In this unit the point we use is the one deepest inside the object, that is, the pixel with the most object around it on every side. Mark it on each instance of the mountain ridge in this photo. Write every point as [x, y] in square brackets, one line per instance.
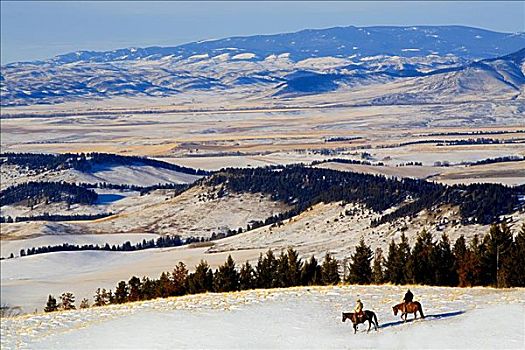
[270, 65]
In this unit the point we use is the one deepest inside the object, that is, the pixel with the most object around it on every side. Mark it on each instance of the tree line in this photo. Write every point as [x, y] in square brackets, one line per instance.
[141, 189]
[271, 271]
[160, 242]
[497, 160]
[87, 161]
[301, 187]
[36, 192]
[54, 217]
[498, 259]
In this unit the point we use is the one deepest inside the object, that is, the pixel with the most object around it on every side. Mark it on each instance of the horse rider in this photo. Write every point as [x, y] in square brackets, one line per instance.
[408, 297]
[358, 309]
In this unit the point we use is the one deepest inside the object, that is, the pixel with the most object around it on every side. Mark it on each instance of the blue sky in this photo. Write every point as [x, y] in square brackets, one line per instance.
[37, 30]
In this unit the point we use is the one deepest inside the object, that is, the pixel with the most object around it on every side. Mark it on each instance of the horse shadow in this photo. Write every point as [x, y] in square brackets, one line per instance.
[427, 317]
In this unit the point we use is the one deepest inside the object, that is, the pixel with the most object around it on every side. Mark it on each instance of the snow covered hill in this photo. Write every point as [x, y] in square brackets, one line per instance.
[309, 61]
[294, 318]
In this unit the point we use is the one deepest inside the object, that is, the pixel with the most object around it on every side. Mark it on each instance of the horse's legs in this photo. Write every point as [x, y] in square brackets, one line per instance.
[369, 326]
[355, 328]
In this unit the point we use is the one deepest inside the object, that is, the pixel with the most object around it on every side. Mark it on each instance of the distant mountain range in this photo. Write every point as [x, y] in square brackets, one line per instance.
[433, 62]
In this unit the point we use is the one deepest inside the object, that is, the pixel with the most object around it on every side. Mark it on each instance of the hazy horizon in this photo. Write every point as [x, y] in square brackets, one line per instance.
[64, 27]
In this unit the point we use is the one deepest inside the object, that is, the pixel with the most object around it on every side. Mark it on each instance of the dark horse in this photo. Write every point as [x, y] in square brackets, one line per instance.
[368, 315]
[408, 308]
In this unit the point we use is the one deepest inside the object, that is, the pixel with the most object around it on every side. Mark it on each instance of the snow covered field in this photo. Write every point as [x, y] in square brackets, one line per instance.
[294, 318]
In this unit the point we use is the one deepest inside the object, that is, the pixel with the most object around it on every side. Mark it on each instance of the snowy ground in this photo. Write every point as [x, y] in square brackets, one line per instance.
[295, 318]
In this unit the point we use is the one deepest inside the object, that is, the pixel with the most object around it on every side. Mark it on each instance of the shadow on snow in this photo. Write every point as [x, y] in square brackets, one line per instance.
[427, 317]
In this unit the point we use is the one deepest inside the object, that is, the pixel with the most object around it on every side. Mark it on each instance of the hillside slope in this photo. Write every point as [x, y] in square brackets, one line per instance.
[306, 318]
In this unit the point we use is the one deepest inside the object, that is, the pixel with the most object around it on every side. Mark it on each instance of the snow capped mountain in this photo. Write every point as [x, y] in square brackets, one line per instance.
[305, 62]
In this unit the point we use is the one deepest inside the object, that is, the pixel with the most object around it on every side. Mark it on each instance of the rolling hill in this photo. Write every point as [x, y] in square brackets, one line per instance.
[282, 65]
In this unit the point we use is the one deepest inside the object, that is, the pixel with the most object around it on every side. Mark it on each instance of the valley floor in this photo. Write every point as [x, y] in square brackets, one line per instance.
[294, 318]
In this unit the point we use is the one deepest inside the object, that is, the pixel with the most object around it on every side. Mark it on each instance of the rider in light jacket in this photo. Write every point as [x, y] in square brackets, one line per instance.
[358, 309]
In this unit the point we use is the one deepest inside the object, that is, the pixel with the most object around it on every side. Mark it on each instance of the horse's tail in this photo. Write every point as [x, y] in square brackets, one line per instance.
[420, 309]
[375, 320]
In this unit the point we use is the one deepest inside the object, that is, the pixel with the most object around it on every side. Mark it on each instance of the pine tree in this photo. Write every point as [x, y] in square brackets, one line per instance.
[377, 267]
[148, 289]
[84, 304]
[462, 256]
[164, 286]
[281, 273]
[226, 278]
[330, 270]
[423, 259]
[101, 297]
[247, 279]
[517, 259]
[391, 265]
[51, 304]
[201, 280]
[495, 263]
[180, 279]
[444, 263]
[134, 287]
[121, 293]
[405, 260]
[266, 271]
[294, 268]
[398, 265]
[476, 251]
[311, 273]
[360, 269]
[67, 301]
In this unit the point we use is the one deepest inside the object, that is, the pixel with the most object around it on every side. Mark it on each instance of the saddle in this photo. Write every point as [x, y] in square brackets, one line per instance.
[360, 318]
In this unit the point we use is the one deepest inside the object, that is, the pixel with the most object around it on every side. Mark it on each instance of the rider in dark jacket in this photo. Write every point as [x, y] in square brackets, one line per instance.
[408, 297]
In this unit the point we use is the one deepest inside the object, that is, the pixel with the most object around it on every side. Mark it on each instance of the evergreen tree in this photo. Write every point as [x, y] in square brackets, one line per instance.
[377, 267]
[405, 260]
[67, 301]
[444, 263]
[226, 278]
[294, 267]
[101, 297]
[397, 265]
[247, 277]
[84, 304]
[266, 270]
[311, 273]
[360, 269]
[463, 256]
[517, 259]
[281, 273]
[330, 270]
[391, 268]
[478, 249]
[134, 287]
[164, 286]
[121, 293]
[495, 262]
[51, 304]
[148, 289]
[180, 279]
[201, 280]
[423, 259]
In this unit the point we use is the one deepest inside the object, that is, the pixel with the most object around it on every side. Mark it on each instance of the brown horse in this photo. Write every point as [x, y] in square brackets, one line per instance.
[368, 315]
[408, 308]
